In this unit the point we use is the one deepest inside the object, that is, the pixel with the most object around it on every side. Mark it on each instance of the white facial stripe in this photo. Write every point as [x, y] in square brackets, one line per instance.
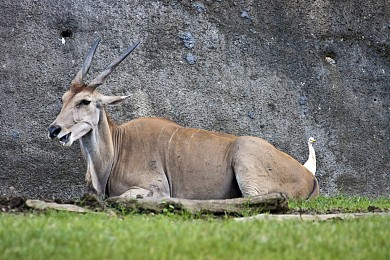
[80, 129]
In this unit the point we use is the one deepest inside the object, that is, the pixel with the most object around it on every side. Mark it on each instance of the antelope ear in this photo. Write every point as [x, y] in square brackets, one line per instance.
[112, 100]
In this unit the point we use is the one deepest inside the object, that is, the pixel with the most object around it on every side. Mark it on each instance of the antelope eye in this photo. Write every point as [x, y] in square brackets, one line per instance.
[85, 102]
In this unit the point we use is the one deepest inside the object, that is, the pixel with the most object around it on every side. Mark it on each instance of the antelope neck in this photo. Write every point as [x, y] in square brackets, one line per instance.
[98, 150]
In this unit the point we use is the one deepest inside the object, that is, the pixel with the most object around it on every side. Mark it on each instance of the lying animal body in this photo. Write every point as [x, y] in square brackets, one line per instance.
[155, 157]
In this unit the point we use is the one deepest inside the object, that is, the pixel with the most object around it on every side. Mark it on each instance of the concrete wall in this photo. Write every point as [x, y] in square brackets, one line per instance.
[279, 70]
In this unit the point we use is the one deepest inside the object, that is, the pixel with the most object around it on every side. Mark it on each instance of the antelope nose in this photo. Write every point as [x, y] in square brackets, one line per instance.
[54, 130]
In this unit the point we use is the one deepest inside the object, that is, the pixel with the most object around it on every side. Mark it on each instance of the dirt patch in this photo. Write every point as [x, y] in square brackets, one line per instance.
[13, 204]
[16, 204]
[91, 202]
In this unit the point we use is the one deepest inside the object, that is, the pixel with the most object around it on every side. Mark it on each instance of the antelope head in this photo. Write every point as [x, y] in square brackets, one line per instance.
[81, 104]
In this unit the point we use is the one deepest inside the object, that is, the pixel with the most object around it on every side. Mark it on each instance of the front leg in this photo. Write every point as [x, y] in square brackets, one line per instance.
[140, 193]
[92, 192]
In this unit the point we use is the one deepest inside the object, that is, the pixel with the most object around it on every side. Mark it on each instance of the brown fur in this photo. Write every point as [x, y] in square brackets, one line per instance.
[158, 155]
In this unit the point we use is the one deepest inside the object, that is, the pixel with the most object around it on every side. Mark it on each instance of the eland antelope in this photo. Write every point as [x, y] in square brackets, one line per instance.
[155, 157]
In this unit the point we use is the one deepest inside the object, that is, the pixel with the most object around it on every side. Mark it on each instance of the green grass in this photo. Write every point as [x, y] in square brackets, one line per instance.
[341, 204]
[63, 235]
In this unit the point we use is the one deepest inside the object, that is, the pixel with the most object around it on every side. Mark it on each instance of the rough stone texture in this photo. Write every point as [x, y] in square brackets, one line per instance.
[280, 70]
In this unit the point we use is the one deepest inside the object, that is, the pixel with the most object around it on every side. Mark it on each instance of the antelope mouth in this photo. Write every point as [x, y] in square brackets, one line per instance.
[64, 140]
